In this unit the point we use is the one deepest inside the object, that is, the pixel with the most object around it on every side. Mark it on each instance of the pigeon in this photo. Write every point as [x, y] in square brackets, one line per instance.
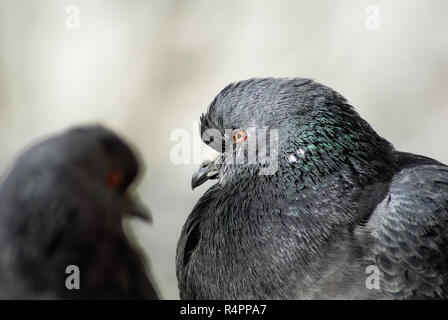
[342, 214]
[62, 206]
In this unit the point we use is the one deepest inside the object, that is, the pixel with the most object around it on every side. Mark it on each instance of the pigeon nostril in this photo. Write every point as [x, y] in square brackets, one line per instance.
[205, 163]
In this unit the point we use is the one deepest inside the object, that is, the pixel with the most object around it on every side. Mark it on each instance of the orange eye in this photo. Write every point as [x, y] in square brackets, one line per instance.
[115, 179]
[239, 136]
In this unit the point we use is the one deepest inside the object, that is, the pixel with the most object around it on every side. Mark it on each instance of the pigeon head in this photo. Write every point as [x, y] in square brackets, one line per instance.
[62, 203]
[277, 124]
[90, 167]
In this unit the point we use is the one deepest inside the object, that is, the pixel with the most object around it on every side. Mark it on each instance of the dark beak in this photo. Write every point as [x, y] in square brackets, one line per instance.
[207, 171]
[135, 208]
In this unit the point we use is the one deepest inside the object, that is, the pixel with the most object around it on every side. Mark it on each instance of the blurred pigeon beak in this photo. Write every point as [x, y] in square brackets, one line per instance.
[135, 208]
[207, 171]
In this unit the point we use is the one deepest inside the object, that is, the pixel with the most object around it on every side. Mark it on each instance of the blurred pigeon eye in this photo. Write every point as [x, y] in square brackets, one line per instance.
[239, 136]
[115, 179]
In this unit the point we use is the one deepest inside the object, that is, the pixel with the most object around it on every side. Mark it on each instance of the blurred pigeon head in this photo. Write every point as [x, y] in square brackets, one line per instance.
[93, 160]
[63, 203]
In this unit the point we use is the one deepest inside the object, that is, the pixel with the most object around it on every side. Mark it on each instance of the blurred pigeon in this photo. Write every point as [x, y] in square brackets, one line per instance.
[343, 216]
[61, 207]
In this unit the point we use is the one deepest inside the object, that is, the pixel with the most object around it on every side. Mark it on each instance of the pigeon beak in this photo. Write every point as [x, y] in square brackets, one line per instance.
[206, 171]
[135, 208]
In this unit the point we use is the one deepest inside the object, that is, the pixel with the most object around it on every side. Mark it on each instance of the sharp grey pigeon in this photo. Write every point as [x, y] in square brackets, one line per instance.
[343, 215]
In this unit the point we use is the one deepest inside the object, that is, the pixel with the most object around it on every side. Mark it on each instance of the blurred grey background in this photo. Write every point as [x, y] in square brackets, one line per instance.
[146, 68]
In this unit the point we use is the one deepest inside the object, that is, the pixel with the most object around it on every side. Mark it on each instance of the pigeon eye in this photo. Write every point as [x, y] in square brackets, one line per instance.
[239, 136]
[115, 179]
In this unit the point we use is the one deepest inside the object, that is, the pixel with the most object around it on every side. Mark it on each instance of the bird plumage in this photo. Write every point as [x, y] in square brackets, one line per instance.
[312, 228]
[56, 210]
